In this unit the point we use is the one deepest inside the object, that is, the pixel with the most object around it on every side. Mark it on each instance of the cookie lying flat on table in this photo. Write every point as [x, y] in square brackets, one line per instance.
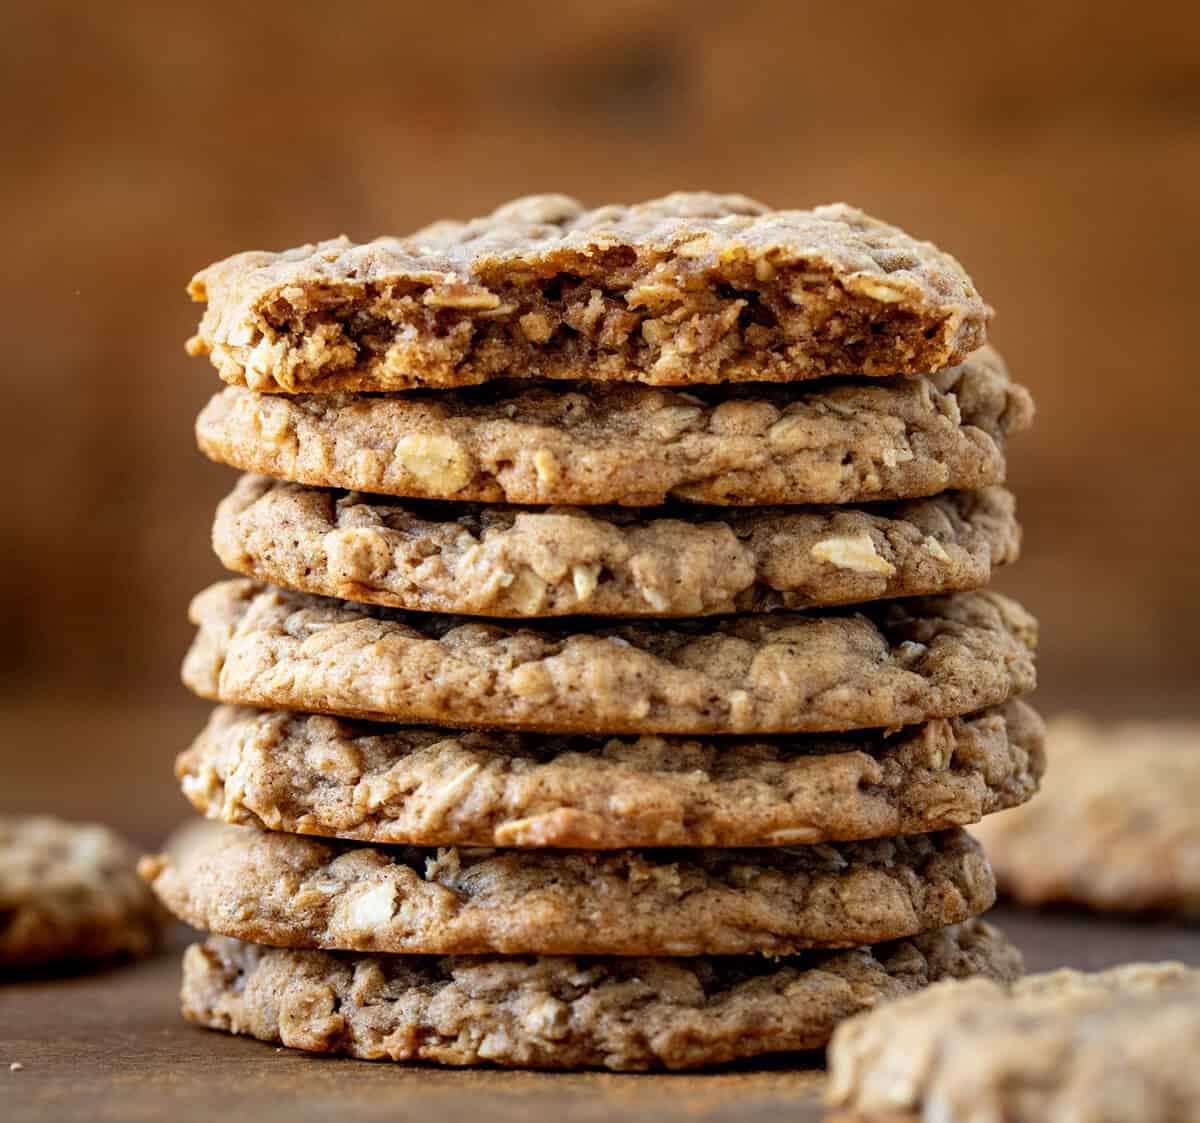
[832, 442]
[617, 1013]
[690, 288]
[290, 891]
[427, 787]
[888, 665]
[1065, 1046]
[69, 893]
[1117, 827]
[685, 561]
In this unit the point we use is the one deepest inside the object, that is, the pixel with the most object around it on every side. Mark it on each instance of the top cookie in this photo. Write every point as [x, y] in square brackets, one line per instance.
[687, 289]
[1116, 828]
[1063, 1046]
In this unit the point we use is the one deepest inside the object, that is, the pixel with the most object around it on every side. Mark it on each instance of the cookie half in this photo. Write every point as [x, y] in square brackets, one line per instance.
[690, 288]
[314, 775]
[289, 891]
[686, 561]
[557, 1013]
[1116, 828]
[1118, 1045]
[69, 893]
[892, 664]
[839, 442]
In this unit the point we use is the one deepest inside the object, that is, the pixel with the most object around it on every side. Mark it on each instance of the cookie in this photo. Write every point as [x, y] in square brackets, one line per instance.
[690, 288]
[887, 665]
[289, 891]
[840, 442]
[558, 1013]
[68, 893]
[686, 561]
[1116, 827]
[406, 785]
[1119, 1045]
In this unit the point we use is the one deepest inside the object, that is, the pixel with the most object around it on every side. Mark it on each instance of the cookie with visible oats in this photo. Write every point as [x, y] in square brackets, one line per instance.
[69, 894]
[402, 784]
[1117, 1045]
[886, 665]
[690, 288]
[685, 561]
[290, 891]
[1117, 826]
[587, 444]
[624, 1014]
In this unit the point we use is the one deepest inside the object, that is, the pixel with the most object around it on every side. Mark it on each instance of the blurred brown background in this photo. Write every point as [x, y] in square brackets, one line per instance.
[1055, 148]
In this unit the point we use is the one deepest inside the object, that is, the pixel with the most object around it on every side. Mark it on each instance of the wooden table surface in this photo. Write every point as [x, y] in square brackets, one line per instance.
[112, 1046]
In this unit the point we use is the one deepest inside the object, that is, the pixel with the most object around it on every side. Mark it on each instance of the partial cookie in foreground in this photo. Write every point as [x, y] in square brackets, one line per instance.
[69, 893]
[314, 775]
[683, 561]
[1118, 1045]
[690, 288]
[290, 891]
[1117, 825]
[616, 1013]
[887, 665]
[831, 442]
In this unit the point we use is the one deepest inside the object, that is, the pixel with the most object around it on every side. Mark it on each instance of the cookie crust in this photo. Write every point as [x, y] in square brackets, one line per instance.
[1065, 1045]
[69, 893]
[1116, 828]
[889, 665]
[830, 442]
[313, 775]
[289, 891]
[533, 1012]
[683, 561]
[690, 288]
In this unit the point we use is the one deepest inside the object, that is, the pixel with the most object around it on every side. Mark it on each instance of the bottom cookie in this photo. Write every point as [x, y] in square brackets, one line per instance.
[561, 1012]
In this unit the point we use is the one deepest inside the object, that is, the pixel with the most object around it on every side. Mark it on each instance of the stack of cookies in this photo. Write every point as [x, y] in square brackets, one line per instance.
[570, 711]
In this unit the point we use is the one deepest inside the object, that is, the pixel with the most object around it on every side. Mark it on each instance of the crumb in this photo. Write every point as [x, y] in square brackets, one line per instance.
[16, 1066]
